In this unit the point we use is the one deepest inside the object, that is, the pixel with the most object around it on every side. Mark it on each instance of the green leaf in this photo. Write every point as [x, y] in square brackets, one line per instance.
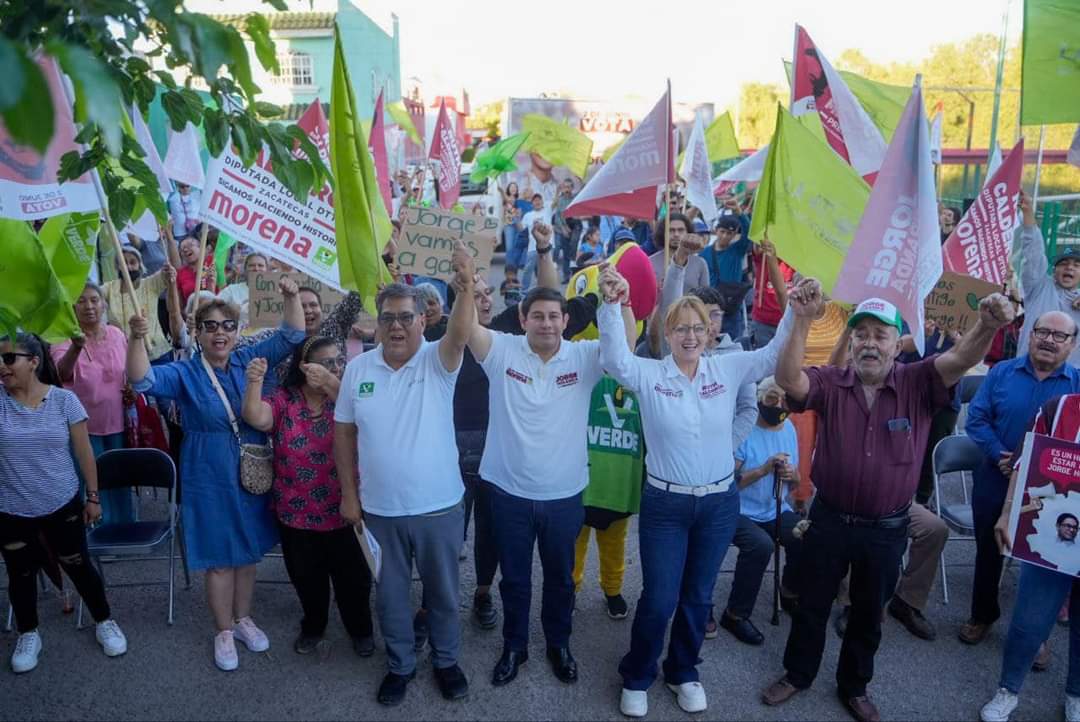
[279, 5]
[240, 67]
[14, 85]
[30, 119]
[97, 95]
[258, 29]
[174, 106]
[216, 130]
[210, 43]
[267, 110]
[243, 142]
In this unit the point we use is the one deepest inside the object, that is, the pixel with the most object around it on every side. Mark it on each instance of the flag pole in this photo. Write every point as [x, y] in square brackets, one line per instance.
[667, 182]
[667, 225]
[1038, 168]
[199, 269]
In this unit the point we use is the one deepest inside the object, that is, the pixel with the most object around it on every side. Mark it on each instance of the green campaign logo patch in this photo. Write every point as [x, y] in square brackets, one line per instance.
[325, 257]
[366, 390]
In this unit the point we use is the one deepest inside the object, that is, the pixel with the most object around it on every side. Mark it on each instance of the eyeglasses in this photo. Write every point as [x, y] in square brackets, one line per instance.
[716, 315]
[405, 319]
[1044, 333]
[696, 330]
[333, 363]
[9, 357]
[1074, 527]
[228, 326]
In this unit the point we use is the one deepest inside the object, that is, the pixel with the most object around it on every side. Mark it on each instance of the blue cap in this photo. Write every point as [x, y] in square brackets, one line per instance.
[1066, 253]
[700, 226]
[624, 234]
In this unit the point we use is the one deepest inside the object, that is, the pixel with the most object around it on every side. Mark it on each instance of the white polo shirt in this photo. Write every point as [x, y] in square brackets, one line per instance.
[539, 413]
[405, 432]
[687, 424]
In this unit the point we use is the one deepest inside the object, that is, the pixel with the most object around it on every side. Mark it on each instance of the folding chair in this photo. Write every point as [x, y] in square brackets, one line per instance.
[123, 469]
[969, 385]
[956, 453]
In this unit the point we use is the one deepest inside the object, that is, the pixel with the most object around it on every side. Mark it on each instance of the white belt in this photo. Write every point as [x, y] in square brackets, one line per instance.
[715, 487]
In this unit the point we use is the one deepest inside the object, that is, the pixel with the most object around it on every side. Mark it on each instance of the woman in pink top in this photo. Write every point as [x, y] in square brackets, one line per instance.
[319, 546]
[92, 365]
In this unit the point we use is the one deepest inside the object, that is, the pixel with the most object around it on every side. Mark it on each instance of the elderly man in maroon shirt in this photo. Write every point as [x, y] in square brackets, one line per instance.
[875, 420]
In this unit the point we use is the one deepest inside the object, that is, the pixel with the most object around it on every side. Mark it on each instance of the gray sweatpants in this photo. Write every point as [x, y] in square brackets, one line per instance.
[433, 541]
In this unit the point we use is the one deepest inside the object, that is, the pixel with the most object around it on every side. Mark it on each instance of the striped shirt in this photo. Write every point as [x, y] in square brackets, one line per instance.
[37, 469]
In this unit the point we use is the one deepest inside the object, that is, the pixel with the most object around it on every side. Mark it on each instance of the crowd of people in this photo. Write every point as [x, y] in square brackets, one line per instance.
[742, 408]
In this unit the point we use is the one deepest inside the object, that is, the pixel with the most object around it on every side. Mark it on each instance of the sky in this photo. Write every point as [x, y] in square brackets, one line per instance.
[606, 50]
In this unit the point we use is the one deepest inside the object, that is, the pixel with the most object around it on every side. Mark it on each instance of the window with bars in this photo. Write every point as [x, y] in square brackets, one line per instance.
[296, 71]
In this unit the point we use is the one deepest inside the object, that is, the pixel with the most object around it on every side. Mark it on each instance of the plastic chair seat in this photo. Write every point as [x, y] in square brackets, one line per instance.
[959, 517]
[133, 538]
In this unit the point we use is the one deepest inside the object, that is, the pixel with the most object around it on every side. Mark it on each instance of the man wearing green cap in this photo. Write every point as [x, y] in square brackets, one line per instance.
[874, 424]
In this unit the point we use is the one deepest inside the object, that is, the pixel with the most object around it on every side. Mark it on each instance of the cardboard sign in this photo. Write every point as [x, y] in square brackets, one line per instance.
[1045, 511]
[427, 241]
[266, 307]
[954, 303]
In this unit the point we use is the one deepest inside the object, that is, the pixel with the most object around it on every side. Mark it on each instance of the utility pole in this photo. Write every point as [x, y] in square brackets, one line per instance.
[999, 81]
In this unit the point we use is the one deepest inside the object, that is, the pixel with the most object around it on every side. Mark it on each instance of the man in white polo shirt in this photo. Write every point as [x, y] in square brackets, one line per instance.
[537, 461]
[395, 413]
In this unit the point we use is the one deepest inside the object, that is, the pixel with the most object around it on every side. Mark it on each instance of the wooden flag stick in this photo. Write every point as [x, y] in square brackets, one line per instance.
[667, 225]
[199, 269]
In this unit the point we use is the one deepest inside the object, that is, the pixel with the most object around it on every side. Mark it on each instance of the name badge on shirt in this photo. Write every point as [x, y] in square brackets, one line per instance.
[366, 390]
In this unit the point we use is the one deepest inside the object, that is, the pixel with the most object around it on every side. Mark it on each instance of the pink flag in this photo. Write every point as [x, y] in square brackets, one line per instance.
[28, 185]
[377, 143]
[848, 128]
[626, 184]
[445, 149]
[896, 252]
[314, 123]
[980, 244]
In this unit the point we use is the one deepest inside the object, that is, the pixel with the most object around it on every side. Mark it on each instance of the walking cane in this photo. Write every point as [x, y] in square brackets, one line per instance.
[777, 493]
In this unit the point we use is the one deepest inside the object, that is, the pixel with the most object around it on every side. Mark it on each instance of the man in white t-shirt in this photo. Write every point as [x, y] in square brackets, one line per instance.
[395, 414]
[536, 460]
[539, 215]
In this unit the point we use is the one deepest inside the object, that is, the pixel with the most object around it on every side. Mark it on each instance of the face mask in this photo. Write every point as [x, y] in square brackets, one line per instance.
[772, 415]
[134, 275]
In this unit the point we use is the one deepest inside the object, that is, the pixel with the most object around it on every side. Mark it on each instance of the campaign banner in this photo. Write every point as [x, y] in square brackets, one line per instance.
[427, 241]
[28, 186]
[1045, 512]
[446, 149]
[953, 304]
[979, 245]
[250, 205]
[266, 307]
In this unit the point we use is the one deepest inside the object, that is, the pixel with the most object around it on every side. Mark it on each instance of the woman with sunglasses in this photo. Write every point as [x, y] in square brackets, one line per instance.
[226, 529]
[318, 544]
[42, 438]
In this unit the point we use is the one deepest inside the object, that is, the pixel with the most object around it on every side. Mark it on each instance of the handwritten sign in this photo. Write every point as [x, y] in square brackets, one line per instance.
[265, 305]
[954, 303]
[427, 241]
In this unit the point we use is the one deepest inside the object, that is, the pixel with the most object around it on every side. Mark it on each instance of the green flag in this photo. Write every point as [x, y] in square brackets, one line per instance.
[883, 102]
[498, 159]
[224, 245]
[70, 243]
[720, 141]
[31, 295]
[1050, 79]
[401, 117]
[360, 218]
[557, 143]
[809, 202]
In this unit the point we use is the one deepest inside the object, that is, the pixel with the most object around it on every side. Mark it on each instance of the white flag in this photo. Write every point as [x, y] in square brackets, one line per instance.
[182, 160]
[695, 171]
[747, 170]
[153, 158]
[935, 137]
[993, 162]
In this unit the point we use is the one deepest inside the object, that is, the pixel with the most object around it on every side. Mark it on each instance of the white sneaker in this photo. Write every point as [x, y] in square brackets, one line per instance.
[634, 702]
[111, 639]
[690, 695]
[1000, 707]
[1072, 708]
[225, 652]
[26, 652]
[251, 636]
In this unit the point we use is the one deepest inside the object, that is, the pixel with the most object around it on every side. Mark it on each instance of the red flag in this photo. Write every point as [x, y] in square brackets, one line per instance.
[377, 144]
[979, 245]
[626, 184]
[445, 149]
[314, 123]
[848, 128]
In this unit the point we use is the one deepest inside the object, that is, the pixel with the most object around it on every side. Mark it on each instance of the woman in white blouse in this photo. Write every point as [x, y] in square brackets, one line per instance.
[690, 505]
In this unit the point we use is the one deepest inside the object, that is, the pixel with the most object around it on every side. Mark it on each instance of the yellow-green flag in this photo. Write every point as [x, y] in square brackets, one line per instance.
[558, 144]
[32, 297]
[883, 102]
[720, 141]
[1050, 80]
[360, 218]
[809, 202]
[401, 117]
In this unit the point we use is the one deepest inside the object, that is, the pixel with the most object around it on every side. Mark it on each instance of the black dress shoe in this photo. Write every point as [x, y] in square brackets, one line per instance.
[392, 689]
[743, 630]
[562, 664]
[363, 646]
[507, 667]
[452, 682]
[484, 611]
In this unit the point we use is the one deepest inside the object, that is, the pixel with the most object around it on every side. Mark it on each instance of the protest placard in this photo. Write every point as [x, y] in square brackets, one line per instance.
[428, 236]
[1045, 511]
[265, 305]
[953, 304]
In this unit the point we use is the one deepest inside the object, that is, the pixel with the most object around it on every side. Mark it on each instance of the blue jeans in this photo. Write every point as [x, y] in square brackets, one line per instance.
[682, 541]
[1039, 595]
[117, 505]
[564, 247]
[515, 252]
[531, 259]
[553, 526]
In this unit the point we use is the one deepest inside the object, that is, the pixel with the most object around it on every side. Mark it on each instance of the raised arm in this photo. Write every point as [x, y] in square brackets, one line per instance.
[65, 364]
[772, 268]
[293, 311]
[463, 314]
[172, 304]
[995, 311]
[675, 284]
[617, 331]
[805, 304]
[1033, 270]
[547, 275]
[256, 412]
[138, 362]
[839, 354]
[172, 252]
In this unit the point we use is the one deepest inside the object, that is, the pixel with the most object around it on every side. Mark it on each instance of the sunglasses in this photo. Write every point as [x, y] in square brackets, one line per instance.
[405, 319]
[228, 326]
[333, 363]
[9, 357]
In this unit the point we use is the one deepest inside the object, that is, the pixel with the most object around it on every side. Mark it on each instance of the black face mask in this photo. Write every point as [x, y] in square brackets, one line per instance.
[134, 275]
[772, 415]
